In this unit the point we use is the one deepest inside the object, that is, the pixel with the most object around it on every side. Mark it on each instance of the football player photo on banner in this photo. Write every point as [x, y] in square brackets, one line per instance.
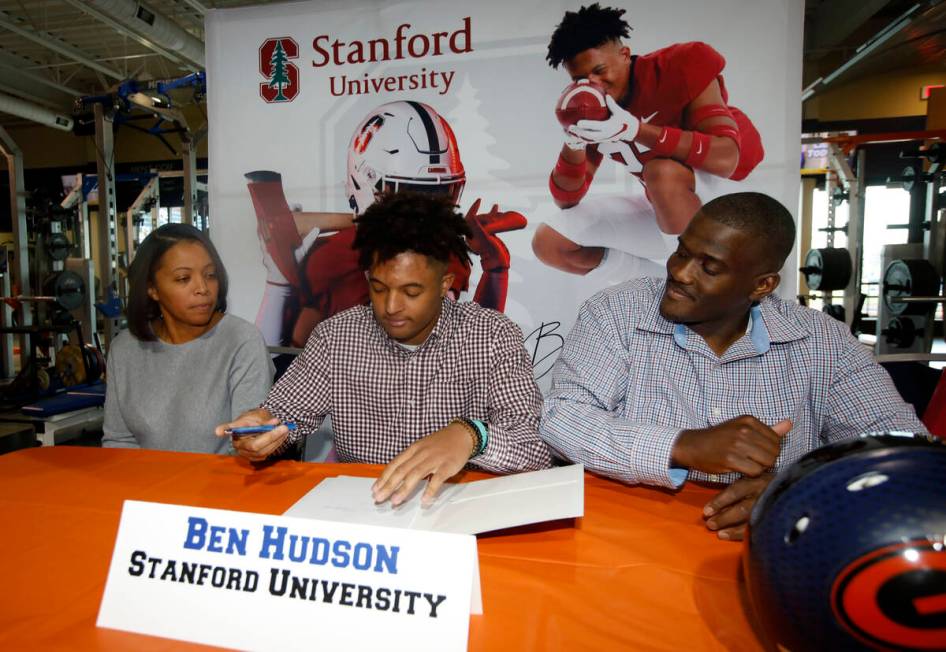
[577, 139]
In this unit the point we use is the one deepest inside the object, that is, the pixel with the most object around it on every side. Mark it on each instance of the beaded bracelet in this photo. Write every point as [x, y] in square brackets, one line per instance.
[483, 433]
[475, 438]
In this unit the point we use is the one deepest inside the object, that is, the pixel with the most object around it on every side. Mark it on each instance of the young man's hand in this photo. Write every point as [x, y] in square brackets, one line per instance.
[728, 513]
[255, 447]
[439, 456]
[744, 444]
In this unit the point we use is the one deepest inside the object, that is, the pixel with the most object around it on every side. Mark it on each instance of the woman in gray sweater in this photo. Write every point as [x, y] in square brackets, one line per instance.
[184, 365]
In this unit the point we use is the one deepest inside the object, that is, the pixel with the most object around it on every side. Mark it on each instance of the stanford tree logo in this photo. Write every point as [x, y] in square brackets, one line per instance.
[282, 77]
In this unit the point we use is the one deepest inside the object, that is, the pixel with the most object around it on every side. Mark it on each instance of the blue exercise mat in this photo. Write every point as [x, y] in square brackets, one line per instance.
[75, 398]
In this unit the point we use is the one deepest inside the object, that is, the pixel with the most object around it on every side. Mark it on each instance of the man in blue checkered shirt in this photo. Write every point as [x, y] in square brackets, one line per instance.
[709, 376]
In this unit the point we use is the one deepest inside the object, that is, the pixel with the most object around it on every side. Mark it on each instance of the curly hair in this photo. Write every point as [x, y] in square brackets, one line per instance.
[589, 27]
[422, 223]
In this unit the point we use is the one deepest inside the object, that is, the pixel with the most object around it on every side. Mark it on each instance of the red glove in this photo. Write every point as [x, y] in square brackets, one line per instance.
[485, 242]
[494, 256]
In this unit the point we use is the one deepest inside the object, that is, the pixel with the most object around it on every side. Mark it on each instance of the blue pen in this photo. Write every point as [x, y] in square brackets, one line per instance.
[246, 431]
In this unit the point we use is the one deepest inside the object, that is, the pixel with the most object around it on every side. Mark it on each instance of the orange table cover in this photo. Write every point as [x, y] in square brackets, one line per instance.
[638, 572]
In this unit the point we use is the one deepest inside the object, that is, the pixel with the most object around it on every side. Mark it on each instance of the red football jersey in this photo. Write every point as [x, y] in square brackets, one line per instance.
[664, 82]
[332, 280]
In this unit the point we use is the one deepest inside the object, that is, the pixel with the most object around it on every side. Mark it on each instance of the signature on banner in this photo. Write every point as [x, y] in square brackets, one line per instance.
[543, 344]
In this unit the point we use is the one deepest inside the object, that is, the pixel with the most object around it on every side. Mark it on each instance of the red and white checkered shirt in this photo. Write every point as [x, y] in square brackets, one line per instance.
[383, 397]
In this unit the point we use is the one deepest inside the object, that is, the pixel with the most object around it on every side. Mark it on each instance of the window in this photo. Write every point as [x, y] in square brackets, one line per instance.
[883, 206]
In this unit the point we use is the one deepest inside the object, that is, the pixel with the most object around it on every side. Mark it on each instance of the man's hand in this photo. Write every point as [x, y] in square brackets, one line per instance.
[621, 125]
[485, 226]
[728, 513]
[439, 455]
[255, 448]
[744, 444]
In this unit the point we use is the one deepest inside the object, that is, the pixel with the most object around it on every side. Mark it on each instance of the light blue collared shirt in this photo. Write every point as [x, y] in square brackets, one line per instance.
[758, 336]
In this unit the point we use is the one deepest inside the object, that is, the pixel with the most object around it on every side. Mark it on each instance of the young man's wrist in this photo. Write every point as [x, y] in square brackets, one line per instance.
[471, 432]
[478, 432]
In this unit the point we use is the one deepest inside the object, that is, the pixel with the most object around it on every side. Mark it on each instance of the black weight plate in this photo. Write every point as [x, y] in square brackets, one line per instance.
[68, 288]
[57, 246]
[909, 278]
[827, 269]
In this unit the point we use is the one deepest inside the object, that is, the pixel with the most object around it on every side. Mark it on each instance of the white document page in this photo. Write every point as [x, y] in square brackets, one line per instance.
[462, 508]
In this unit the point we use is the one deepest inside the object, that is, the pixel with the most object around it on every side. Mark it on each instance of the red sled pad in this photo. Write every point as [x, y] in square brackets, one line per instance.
[277, 227]
[934, 418]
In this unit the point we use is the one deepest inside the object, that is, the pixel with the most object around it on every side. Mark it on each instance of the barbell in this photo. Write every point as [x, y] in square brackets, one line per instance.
[66, 289]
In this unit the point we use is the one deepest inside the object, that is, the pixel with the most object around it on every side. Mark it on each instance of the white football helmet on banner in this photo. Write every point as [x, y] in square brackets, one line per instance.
[403, 145]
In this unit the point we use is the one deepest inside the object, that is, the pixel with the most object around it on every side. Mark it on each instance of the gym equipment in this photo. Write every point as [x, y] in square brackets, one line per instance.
[845, 548]
[895, 302]
[64, 289]
[910, 287]
[908, 177]
[827, 269]
[73, 400]
[914, 174]
[834, 310]
[75, 364]
[78, 365]
[900, 333]
[831, 271]
[924, 154]
[58, 246]
[71, 365]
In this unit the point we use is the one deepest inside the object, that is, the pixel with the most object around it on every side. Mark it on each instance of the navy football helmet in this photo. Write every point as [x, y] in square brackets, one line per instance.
[846, 549]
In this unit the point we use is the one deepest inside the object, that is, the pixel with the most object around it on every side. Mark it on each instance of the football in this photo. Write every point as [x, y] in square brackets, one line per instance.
[581, 100]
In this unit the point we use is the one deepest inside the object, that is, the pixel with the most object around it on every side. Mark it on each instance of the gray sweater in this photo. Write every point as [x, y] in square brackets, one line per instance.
[171, 396]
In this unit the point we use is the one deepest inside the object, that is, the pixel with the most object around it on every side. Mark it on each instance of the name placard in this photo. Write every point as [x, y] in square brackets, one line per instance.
[254, 581]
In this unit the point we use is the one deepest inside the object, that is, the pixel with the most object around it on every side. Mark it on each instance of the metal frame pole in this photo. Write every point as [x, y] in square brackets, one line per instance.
[855, 236]
[107, 255]
[148, 192]
[21, 262]
[6, 339]
[189, 154]
[189, 142]
[804, 228]
[853, 185]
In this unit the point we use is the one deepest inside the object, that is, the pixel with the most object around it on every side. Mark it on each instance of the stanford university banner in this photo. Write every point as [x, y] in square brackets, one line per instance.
[315, 106]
